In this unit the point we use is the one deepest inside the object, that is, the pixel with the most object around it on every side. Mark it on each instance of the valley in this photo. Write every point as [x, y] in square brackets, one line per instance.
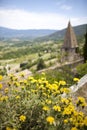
[19, 54]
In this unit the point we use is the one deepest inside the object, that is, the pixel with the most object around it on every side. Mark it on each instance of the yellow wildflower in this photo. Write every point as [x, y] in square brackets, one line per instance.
[45, 108]
[50, 120]
[17, 84]
[68, 110]
[22, 74]
[6, 90]
[25, 82]
[17, 97]
[30, 78]
[71, 119]
[85, 121]
[65, 121]
[65, 100]
[14, 77]
[1, 77]
[22, 118]
[0, 86]
[8, 128]
[54, 86]
[4, 98]
[74, 128]
[81, 101]
[62, 82]
[76, 79]
[66, 90]
[57, 108]
[48, 101]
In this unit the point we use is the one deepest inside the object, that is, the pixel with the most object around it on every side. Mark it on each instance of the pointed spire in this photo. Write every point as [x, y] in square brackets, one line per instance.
[70, 38]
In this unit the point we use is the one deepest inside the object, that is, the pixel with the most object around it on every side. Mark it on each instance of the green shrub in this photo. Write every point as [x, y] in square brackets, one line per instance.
[40, 64]
[82, 69]
[3, 71]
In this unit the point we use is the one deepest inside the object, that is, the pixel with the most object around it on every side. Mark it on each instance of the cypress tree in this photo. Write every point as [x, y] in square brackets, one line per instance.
[85, 48]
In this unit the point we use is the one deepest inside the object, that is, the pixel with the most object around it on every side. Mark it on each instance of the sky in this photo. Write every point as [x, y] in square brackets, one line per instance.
[42, 14]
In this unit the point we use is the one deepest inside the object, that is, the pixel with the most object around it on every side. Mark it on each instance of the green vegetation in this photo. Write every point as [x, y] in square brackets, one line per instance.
[37, 56]
[82, 69]
[36, 104]
[58, 74]
[3, 71]
[40, 64]
[85, 48]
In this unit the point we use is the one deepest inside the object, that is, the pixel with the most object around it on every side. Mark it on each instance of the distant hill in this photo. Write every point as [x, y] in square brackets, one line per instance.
[40, 34]
[80, 30]
[29, 34]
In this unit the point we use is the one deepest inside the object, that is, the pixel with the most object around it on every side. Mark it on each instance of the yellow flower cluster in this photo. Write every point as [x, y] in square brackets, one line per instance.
[62, 82]
[3, 98]
[41, 99]
[57, 108]
[81, 102]
[69, 109]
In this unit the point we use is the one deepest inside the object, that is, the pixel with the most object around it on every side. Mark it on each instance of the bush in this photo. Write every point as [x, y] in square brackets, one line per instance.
[30, 104]
[40, 64]
[3, 71]
[82, 69]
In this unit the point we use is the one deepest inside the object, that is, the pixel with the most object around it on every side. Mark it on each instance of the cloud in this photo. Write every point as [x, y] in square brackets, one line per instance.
[66, 7]
[62, 4]
[20, 19]
[79, 20]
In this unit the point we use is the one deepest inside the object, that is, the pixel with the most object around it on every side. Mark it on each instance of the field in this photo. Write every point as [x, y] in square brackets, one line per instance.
[21, 51]
[17, 55]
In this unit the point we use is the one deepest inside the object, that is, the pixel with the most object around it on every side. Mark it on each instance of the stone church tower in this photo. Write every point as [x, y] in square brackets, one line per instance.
[70, 45]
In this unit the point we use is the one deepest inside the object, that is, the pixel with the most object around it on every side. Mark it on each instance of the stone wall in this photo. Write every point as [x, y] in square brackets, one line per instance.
[80, 90]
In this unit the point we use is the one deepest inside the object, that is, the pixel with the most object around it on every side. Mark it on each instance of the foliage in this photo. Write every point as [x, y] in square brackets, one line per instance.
[3, 71]
[40, 64]
[24, 65]
[82, 69]
[58, 74]
[85, 48]
[30, 104]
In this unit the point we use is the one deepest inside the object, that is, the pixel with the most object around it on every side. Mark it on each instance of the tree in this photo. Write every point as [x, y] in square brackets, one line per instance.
[40, 64]
[85, 49]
